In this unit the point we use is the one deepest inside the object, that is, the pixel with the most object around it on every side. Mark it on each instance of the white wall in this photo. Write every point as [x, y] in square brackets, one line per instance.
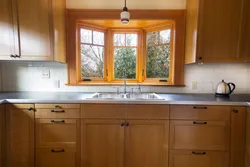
[132, 4]
[23, 76]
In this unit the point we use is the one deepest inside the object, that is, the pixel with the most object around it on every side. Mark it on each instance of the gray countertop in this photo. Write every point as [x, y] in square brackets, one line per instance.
[80, 97]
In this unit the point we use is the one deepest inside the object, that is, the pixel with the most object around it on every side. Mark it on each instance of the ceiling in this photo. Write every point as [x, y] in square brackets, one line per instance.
[132, 23]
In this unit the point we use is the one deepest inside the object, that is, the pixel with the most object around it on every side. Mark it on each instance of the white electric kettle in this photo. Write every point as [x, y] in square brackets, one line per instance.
[224, 89]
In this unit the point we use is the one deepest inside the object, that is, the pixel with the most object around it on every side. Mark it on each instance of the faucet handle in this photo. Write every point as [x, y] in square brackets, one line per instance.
[117, 89]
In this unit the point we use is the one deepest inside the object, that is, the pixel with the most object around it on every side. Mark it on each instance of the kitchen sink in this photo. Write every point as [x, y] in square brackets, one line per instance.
[127, 96]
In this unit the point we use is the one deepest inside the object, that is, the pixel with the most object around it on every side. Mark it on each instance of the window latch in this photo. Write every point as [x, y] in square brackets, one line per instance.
[163, 80]
[86, 79]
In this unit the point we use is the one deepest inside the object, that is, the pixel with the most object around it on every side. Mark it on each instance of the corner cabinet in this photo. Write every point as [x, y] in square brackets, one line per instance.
[33, 30]
[20, 137]
[217, 31]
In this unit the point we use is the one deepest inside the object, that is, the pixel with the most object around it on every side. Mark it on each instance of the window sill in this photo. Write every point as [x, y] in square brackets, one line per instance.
[121, 84]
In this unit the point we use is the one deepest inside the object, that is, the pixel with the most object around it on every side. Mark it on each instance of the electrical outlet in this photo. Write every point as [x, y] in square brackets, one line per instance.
[45, 74]
[194, 85]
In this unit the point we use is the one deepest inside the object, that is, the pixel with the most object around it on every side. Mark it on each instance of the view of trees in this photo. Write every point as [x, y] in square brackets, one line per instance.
[125, 51]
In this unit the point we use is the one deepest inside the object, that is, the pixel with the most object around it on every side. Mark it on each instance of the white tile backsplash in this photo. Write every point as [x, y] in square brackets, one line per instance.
[26, 76]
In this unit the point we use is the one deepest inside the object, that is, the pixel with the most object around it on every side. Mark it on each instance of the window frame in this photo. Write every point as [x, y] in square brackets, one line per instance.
[83, 25]
[111, 55]
[165, 26]
[74, 16]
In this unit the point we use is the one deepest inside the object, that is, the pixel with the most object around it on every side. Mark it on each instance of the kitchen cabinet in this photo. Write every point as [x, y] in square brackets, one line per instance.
[2, 134]
[199, 135]
[20, 135]
[215, 31]
[57, 135]
[6, 29]
[198, 159]
[102, 143]
[146, 143]
[56, 157]
[238, 136]
[248, 138]
[124, 139]
[33, 33]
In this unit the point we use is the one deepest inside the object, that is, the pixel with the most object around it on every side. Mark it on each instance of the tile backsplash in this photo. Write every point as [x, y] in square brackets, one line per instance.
[27, 76]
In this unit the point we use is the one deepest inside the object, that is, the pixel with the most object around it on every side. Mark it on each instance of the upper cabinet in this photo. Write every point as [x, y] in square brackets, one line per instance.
[32, 33]
[217, 31]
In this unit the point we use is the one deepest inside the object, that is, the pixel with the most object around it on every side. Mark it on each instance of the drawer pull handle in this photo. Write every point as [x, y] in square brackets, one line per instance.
[199, 123]
[199, 153]
[57, 151]
[57, 121]
[235, 111]
[30, 109]
[122, 124]
[201, 108]
[58, 111]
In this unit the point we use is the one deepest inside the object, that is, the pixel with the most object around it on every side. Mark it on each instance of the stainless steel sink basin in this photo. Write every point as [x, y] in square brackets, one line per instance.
[121, 96]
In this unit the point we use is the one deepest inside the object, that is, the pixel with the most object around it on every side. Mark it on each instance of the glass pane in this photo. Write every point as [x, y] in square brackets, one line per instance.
[86, 36]
[152, 38]
[125, 59]
[92, 61]
[158, 58]
[98, 38]
[131, 39]
[165, 36]
[119, 39]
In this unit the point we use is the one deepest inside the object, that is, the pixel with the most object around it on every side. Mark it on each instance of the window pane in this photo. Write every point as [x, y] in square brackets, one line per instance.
[119, 39]
[86, 36]
[152, 38]
[131, 39]
[98, 38]
[125, 58]
[92, 61]
[165, 36]
[158, 58]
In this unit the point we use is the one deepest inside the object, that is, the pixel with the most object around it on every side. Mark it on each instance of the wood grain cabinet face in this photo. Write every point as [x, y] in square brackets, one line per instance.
[201, 135]
[102, 143]
[34, 28]
[56, 132]
[20, 135]
[198, 159]
[3, 135]
[6, 29]
[56, 157]
[146, 143]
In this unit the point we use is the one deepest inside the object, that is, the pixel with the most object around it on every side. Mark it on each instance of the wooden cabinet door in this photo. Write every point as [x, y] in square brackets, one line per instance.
[56, 157]
[6, 29]
[102, 143]
[201, 135]
[2, 136]
[35, 29]
[20, 135]
[219, 33]
[198, 159]
[57, 132]
[146, 143]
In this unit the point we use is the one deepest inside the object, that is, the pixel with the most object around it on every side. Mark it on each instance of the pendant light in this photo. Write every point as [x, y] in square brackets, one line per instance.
[125, 15]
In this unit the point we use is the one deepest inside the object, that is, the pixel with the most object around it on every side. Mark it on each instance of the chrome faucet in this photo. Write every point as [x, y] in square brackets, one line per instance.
[124, 77]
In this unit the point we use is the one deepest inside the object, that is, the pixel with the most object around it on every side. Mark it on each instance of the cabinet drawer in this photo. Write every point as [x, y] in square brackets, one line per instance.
[57, 113]
[57, 106]
[56, 132]
[103, 111]
[147, 112]
[55, 157]
[192, 158]
[216, 113]
[210, 135]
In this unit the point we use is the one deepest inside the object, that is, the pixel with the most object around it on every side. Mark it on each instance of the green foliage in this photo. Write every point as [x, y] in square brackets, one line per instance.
[125, 58]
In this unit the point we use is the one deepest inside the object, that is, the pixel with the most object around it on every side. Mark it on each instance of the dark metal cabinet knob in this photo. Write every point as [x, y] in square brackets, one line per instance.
[30, 109]
[235, 111]
[122, 124]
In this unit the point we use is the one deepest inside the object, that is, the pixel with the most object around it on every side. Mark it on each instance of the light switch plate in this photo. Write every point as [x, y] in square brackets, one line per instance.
[194, 85]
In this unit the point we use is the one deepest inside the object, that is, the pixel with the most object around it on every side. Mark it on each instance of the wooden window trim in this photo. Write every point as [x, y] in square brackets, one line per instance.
[76, 15]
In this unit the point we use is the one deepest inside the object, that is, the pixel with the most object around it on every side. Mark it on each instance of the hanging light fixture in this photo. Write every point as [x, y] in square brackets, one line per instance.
[125, 15]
